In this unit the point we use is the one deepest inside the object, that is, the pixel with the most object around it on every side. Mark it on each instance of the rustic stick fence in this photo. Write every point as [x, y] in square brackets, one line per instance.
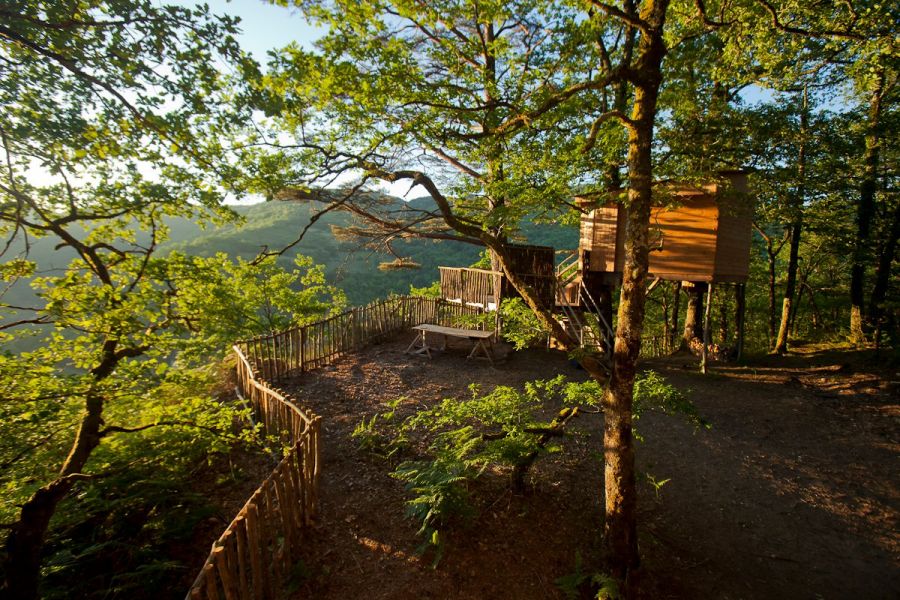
[254, 556]
[300, 349]
[654, 346]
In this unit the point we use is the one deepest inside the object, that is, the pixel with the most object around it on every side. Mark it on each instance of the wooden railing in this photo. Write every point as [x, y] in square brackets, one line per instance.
[253, 558]
[567, 270]
[471, 286]
[475, 287]
[299, 349]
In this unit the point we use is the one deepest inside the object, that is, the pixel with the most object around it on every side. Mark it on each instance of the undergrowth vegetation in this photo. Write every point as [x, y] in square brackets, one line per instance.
[438, 452]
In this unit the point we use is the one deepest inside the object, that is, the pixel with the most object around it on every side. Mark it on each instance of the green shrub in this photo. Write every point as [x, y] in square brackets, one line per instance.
[521, 327]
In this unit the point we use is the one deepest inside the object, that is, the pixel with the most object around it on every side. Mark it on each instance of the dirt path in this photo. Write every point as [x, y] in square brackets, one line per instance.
[793, 493]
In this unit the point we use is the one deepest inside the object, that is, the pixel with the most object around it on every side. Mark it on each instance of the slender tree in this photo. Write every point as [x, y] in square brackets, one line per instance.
[866, 207]
[796, 208]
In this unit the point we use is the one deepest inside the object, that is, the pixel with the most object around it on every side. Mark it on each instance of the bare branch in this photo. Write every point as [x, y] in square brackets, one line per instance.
[32, 447]
[705, 18]
[825, 33]
[42, 320]
[116, 429]
[456, 163]
[524, 119]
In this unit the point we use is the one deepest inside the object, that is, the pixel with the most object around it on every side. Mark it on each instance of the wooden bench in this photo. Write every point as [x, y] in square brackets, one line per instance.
[482, 340]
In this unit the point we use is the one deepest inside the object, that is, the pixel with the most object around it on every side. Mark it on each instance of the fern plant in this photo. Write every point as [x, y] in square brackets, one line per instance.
[501, 430]
[439, 487]
[378, 435]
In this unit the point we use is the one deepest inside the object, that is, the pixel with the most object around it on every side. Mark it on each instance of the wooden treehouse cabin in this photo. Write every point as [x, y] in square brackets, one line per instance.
[700, 233]
[699, 236]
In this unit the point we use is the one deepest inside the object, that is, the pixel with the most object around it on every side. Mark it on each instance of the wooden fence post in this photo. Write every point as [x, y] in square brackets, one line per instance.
[302, 349]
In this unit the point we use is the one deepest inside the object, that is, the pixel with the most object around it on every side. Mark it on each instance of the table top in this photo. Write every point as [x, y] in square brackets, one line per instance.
[455, 331]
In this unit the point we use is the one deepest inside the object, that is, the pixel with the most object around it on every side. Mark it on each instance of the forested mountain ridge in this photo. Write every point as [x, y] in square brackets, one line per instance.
[348, 264]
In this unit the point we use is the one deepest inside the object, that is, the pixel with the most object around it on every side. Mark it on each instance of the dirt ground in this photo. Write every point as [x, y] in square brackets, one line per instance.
[793, 493]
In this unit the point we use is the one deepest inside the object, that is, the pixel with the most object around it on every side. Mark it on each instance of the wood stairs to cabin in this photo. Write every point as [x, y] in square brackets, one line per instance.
[568, 281]
[578, 313]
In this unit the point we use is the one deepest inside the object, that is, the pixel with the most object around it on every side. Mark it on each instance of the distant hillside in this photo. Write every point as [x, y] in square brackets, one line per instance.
[347, 265]
[276, 224]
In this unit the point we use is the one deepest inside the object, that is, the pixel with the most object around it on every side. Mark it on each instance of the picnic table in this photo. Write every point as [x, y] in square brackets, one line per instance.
[482, 340]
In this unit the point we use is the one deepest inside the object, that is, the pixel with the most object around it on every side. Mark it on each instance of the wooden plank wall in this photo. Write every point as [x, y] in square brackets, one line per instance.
[735, 235]
[688, 237]
[538, 261]
[704, 237]
[603, 235]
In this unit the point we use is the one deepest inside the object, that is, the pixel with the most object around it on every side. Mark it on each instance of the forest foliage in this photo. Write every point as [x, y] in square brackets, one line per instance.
[124, 122]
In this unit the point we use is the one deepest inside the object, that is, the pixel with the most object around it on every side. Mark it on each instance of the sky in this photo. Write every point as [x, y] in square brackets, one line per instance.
[265, 27]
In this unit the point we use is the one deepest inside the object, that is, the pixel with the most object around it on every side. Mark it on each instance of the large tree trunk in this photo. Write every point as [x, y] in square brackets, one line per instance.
[693, 318]
[22, 565]
[865, 212]
[781, 342]
[495, 155]
[620, 526]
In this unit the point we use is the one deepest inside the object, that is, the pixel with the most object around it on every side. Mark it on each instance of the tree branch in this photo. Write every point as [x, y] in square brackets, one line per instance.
[595, 128]
[777, 24]
[618, 13]
[117, 429]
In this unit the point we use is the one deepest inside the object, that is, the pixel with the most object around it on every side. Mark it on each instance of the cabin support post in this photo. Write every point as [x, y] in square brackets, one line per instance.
[676, 308]
[693, 320]
[606, 311]
[706, 314]
[740, 307]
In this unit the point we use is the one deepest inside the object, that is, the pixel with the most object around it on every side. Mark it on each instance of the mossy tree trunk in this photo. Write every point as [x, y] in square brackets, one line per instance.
[620, 525]
[693, 318]
[26, 537]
